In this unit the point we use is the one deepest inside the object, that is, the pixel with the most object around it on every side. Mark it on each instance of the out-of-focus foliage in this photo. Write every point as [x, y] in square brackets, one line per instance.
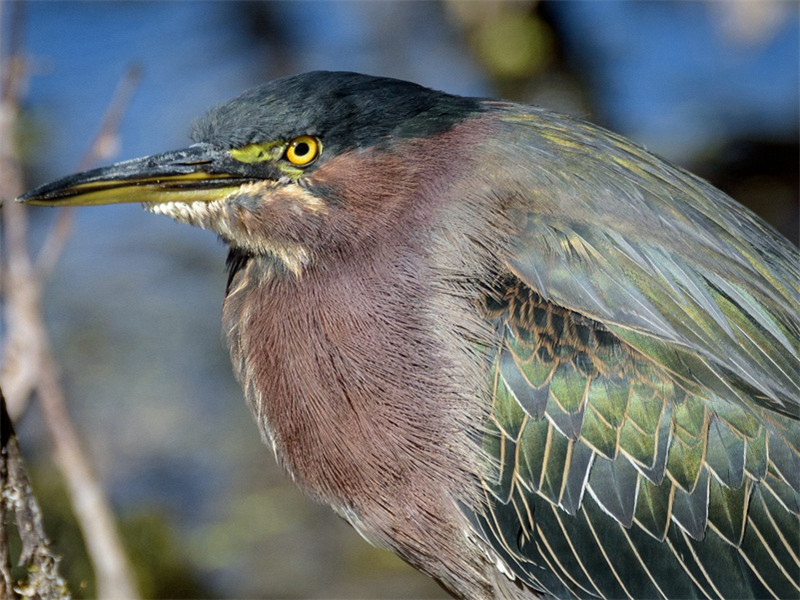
[160, 562]
[508, 38]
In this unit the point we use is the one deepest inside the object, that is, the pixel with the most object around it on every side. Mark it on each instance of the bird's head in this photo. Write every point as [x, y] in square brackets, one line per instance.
[295, 168]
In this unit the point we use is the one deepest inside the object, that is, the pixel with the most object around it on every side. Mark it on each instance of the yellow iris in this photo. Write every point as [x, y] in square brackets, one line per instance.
[302, 150]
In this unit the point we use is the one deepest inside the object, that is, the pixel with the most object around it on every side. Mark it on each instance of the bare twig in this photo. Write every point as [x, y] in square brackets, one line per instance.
[102, 147]
[11, 79]
[28, 362]
[113, 575]
[19, 375]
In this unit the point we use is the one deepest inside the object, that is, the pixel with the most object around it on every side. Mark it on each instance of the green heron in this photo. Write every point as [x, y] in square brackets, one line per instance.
[516, 349]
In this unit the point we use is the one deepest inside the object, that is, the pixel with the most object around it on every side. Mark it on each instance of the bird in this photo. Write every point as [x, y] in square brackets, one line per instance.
[518, 350]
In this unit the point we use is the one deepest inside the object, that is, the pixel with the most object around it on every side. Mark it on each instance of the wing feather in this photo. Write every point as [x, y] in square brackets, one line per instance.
[645, 379]
[677, 268]
[655, 465]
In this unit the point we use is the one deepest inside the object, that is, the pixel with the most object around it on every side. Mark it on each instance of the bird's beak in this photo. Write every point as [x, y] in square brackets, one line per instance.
[198, 173]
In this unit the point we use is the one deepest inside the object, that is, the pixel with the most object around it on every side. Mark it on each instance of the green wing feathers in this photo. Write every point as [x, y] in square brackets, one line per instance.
[645, 379]
[617, 477]
[667, 262]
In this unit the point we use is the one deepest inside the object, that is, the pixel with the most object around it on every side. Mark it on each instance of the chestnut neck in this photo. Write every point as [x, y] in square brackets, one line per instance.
[342, 375]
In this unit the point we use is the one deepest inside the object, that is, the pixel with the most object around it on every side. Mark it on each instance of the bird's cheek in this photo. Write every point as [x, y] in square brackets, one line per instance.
[265, 212]
[365, 190]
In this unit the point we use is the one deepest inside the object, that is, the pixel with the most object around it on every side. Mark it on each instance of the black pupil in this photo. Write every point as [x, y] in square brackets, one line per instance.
[301, 149]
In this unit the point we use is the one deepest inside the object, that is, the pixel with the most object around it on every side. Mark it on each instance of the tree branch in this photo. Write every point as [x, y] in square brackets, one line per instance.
[28, 363]
[44, 580]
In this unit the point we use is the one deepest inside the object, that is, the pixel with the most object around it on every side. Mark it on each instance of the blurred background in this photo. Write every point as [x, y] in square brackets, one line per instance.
[133, 305]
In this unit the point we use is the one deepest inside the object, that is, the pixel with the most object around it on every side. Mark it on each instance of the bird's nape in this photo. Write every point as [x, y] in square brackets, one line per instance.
[518, 350]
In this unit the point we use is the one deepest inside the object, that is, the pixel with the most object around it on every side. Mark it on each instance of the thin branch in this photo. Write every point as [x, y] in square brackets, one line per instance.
[18, 374]
[102, 147]
[11, 77]
[113, 575]
[28, 361]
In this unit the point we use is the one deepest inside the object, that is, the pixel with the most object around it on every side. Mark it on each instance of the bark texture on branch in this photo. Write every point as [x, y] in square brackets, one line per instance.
[17, 498]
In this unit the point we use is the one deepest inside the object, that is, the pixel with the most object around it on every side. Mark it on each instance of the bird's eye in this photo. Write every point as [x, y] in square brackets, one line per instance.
[302, 150]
